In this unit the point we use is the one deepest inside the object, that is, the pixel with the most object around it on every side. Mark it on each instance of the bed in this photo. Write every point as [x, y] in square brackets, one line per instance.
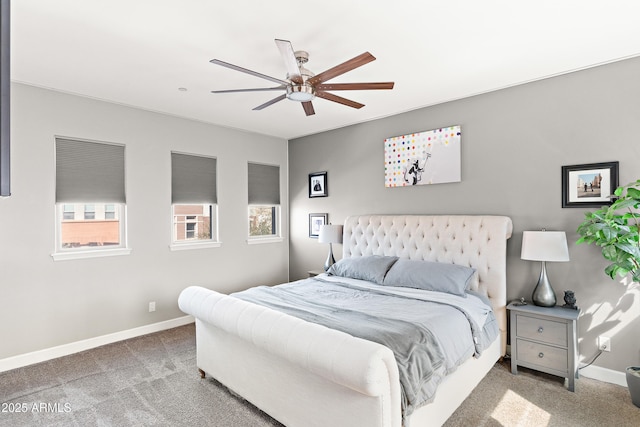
[305, 374]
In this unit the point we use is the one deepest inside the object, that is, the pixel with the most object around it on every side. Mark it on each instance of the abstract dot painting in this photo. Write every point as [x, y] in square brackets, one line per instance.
[428, 157]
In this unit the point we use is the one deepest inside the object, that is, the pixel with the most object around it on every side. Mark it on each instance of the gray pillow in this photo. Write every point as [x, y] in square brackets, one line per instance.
[431, 276]
[372, 268]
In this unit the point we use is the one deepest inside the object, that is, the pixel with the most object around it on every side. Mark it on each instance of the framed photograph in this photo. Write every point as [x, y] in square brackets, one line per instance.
[318, 184]
[315, 221]
[589, 185]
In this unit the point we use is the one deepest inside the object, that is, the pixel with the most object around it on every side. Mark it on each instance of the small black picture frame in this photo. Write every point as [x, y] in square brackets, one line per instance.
[318, 184]
[315, 221]
[590, 185]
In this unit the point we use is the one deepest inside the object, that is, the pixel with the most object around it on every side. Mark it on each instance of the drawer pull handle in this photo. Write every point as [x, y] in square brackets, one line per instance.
[540, 329]
[541, 355]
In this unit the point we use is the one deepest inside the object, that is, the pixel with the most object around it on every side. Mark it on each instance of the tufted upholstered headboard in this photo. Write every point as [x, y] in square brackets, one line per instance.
[478, 241]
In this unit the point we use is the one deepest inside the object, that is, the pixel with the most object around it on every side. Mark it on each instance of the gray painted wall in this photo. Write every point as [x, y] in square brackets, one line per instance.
[514, 142]
[46, 303]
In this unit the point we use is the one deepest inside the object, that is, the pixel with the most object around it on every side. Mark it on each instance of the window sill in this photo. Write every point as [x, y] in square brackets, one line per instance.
[63, 256]
[261, 240]
[195, 245]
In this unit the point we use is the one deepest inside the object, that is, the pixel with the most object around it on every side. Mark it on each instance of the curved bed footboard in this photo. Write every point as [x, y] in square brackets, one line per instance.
[270, 358]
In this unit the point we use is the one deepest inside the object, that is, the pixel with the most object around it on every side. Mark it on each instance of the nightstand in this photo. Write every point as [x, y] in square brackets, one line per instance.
[545, 339]
[313, 273]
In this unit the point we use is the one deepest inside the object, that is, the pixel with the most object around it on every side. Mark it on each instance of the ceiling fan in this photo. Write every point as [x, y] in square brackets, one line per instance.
[302, 85]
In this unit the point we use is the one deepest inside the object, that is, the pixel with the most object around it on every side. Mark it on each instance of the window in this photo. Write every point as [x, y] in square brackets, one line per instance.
[262, 221]
[192, 222]
[68, 212]
[264, 201]
[97, 228]
[190, 230]
[89, 211]
[109, 211]
[193, 200]
[90, 199]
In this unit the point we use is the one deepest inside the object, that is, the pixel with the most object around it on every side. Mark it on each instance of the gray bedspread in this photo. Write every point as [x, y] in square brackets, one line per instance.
[429, 339]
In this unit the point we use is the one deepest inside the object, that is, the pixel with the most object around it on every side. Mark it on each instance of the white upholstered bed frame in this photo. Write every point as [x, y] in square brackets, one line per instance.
[306, 375]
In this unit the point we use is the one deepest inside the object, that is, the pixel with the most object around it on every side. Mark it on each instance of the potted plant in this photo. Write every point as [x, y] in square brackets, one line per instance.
[615, 229]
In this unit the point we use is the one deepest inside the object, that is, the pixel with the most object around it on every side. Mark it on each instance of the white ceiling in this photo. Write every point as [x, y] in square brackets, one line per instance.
[139, 52]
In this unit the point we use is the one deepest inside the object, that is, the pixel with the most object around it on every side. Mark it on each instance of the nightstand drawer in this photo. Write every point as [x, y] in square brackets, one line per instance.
[542, 355]
[547, 331]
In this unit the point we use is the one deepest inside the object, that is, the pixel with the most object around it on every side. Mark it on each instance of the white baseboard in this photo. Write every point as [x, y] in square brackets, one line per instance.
[78, 346]
[604, 374]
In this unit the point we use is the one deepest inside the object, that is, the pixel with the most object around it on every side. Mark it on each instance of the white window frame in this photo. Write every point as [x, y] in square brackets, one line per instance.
[101, 154]
[271, 238]
[264, 191]
[62, 254]
[192, 192]
[180, 245]
[191, 221]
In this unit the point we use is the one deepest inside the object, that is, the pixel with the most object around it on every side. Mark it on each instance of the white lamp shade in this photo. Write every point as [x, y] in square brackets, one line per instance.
[330, 234]
[544, 246]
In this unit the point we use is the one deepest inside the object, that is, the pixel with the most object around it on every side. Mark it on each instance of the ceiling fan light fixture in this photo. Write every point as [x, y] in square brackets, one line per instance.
[300, 93]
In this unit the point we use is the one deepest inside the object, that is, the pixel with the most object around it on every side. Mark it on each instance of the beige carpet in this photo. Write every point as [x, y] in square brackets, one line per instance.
[153, 381]
[534, 399]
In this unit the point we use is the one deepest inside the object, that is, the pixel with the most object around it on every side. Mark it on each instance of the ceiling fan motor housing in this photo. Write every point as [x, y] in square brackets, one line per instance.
[301, 93]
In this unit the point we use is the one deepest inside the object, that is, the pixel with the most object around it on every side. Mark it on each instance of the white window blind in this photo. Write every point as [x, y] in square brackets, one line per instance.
[264, 184]
[193, 179]
[89, 172]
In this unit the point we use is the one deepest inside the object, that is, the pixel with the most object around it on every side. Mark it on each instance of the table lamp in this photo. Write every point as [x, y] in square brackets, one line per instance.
[544, 246]
[330, 234]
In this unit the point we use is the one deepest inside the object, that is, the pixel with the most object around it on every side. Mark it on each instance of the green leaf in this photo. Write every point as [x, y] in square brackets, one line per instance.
[624, 203]
[634, 193]
[618, 191]
[609, 252]
[611, 271]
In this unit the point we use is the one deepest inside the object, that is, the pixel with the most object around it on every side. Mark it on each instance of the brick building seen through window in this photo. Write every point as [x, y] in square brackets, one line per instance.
[192, 222]
[98, 224]
[89, 225]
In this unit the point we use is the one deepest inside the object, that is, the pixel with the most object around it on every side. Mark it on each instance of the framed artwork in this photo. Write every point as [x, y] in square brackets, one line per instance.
[429, 157]
[315, 221]
[589, 185]
[318, 184]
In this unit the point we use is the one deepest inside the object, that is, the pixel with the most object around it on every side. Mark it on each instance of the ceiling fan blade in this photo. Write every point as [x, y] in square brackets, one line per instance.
[289, 57]
[259, 89]
[349, 65]
[244, 70]
[273, 101]
[338, 99]
[308, 108]
[354, 86]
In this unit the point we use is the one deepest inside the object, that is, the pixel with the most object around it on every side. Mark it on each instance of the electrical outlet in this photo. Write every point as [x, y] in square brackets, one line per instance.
[152, 306]
[604, 343]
